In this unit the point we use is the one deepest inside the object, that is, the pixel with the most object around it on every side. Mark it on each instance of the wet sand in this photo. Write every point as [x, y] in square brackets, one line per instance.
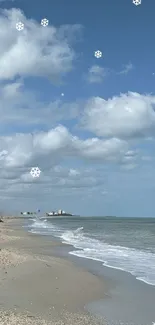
[38, 288]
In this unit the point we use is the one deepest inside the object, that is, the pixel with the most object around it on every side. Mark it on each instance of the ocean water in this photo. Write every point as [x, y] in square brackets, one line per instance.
[126, 244]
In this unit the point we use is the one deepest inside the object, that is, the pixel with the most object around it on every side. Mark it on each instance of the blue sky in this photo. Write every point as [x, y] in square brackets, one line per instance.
[95, 143]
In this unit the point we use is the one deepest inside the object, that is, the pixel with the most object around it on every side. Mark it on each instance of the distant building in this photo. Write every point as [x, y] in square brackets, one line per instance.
[59, 213]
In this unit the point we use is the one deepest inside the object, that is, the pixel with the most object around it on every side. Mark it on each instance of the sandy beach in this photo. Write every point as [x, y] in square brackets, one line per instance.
[38, 288]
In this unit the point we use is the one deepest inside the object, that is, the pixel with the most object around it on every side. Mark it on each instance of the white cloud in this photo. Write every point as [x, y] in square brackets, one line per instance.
[51, 151]
[108, 150]
[35, 51]
[23, 150]
[73, 172]
[69, 163]
[126, 68]
[127, 115]
[20, 152]
[96, 74]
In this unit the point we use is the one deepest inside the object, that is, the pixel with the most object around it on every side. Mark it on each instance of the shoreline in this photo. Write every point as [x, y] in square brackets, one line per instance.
[32, 281]
[97, 294]
[127, 300]
[73, 250]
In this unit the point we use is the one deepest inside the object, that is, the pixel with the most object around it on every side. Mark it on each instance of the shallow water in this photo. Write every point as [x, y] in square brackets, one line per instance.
[96, 244]
[120, 243]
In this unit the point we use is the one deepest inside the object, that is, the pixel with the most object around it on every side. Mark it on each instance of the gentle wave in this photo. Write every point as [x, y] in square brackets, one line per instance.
[40, 224]
[139, 263]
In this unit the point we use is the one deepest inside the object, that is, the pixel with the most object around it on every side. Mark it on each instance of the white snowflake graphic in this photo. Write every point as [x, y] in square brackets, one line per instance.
[19, 26]
[98, 54]
[35, 172]
[137, 2]
[62, 94]
[44, 22]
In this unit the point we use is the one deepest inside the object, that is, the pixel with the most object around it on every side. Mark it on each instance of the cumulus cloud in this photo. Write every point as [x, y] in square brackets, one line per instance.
[37, 132]
[35, 51]
[127, 115]
[73, 172]
[21, 150]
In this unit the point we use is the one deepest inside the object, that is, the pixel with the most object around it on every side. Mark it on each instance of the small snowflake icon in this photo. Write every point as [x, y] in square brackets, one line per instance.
[35, 172]
[19, 26]
[44, 22]
[137, 2]
[98, 54]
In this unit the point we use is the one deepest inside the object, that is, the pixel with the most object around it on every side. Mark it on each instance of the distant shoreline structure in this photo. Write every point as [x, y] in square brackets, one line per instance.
[59, 213]
[50, 214]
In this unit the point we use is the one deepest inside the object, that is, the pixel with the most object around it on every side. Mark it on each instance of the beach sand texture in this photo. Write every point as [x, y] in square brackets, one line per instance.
[37, 288]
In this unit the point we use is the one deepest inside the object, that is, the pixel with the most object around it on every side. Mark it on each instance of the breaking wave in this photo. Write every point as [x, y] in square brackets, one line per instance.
[137, 262]
[41, 226]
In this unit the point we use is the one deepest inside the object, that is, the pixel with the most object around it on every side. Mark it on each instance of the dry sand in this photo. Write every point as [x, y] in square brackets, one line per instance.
[38, 288]
[12, 318]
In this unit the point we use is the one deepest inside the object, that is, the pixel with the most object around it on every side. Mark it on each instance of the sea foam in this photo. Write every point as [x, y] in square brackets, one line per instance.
[139, 263]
